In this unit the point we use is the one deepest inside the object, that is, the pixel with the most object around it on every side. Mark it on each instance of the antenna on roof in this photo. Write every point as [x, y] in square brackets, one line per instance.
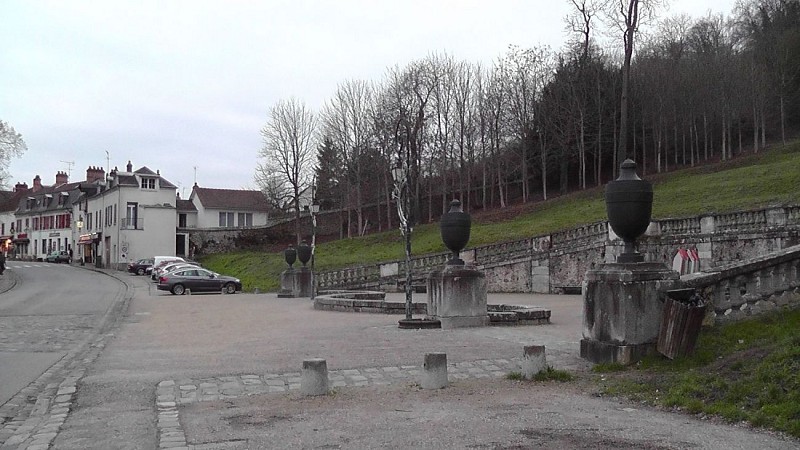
[195, 174]
[69, 167]
[108, 162]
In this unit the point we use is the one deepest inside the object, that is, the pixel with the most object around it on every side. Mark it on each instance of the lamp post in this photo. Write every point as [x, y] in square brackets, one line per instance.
[401, 195]
[79, 225]
[314, 208]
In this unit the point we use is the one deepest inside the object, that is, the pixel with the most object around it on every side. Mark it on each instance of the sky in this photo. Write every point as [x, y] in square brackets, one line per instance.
[184, 87]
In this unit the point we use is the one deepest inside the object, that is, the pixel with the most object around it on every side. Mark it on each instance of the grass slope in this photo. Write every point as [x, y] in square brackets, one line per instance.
[750, 181]
[744, 371]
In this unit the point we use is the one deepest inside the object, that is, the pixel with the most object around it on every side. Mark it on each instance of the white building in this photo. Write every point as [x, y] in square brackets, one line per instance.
[125, 216]
[111, 219]
[225, 208]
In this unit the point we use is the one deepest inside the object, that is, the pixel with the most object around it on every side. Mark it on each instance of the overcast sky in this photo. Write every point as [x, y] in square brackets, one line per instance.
[184, 87]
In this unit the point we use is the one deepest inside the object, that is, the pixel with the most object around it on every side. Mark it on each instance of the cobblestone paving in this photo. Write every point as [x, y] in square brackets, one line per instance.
[171, 394]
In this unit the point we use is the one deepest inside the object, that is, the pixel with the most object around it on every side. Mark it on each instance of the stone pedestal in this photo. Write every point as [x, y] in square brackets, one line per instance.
[288, 281]
[295, 283]
[622, 310]
[303, 280]
[457, 296]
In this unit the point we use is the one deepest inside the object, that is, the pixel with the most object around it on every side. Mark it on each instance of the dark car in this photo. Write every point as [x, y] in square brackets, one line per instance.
[140, 267]
[58, 256]
[197, 279]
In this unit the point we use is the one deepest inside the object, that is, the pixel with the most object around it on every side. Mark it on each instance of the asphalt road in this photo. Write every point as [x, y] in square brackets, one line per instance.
[49, 316]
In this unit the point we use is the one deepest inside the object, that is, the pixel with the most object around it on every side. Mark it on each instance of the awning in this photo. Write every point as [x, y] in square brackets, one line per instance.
[5, 238]
[22, 241]
[85, 239]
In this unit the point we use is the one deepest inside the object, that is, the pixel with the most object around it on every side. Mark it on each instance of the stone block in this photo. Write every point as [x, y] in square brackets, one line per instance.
[314, 377]
[434, 373]
[533, 361]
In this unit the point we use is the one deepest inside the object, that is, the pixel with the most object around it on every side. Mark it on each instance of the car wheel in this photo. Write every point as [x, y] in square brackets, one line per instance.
[178, 289]
[140, 271]
[230, 288]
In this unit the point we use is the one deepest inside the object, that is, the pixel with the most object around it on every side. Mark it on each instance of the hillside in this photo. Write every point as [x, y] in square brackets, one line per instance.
[749, 181]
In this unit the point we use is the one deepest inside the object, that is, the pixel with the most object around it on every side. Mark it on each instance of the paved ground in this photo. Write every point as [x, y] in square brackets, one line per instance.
[221, 372]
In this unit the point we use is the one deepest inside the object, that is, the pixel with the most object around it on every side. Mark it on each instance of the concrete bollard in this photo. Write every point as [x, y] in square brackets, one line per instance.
[434, 374]
[533, 361]
[314, 378]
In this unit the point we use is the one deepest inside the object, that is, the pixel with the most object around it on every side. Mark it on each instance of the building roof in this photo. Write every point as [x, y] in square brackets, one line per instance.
[129, 179]
[185, 205]
[231, 199]
[69, 190]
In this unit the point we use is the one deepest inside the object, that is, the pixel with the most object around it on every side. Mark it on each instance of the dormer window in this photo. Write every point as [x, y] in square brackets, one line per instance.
[148, 183]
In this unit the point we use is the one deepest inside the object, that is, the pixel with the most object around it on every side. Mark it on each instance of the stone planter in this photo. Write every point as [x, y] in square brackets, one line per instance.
[629, 204]
[455, 228]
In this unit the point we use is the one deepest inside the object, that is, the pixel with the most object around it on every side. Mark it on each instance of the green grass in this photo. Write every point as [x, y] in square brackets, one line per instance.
[744, 371]
[752, 181]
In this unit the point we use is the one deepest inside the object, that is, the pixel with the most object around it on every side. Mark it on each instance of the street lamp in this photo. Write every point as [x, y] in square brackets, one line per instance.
[79, 225]
[401, 195]
[314, 208]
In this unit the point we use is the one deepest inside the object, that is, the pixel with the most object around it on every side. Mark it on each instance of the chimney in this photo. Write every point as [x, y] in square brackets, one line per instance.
[21, 187]
[62, 178]
[95, 174]
[129, 167]
[37, 183]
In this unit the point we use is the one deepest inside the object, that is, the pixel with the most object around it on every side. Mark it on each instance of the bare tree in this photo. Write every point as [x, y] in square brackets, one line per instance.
[346, 119]
[627, 15]
[408, 92]
[288, 150]
[11, 145]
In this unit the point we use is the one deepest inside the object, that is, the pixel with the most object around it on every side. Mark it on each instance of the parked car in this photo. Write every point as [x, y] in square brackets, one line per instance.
[58, 256]
[141, 266]
[161, 261]
[197, 279]
[173, 267]
[157, 260]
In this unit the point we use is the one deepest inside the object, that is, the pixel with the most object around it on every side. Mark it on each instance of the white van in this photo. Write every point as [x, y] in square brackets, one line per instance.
[158, 260]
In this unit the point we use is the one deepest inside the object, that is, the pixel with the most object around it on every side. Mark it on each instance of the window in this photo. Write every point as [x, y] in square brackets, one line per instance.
[182, 220]
[109, 215]
[148, 183]
[226, 219]
[132, 214]
[245, 220]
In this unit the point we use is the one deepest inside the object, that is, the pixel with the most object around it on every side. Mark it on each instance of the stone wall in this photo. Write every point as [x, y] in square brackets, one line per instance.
[558, 262]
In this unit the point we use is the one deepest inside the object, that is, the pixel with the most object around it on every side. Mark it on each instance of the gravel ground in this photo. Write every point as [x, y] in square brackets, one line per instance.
[501, 414]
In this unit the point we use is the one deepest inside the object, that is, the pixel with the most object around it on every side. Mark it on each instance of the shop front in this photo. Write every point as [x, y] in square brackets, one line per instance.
[86, 247]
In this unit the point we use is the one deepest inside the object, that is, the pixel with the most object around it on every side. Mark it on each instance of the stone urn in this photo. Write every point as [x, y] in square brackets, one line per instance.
[455, 227]
[290, 255]
[304, 252]
[629, 204]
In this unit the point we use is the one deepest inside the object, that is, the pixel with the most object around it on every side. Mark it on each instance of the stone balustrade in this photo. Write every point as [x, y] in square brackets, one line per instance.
[740, 289]
[557, 262]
